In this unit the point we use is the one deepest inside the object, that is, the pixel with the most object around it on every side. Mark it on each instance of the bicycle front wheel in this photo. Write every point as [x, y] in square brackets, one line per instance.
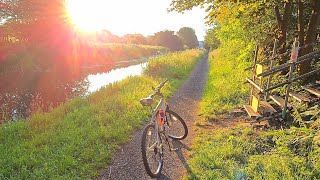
[152, 155]
[176, 127]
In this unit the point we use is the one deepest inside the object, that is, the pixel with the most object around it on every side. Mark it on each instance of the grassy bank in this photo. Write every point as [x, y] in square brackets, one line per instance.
[77, 139]
[225, 88]
[234, 151]
[33, 72]
[123, 52]
[238, 152]
[22, 58]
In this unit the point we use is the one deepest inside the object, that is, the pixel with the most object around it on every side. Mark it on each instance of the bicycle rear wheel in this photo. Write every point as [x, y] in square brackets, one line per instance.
[176, 127]
[152, 155]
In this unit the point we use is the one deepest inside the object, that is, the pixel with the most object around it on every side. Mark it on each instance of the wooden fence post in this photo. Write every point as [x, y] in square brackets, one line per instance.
[275, 46]
[254, 71]
[293, 59]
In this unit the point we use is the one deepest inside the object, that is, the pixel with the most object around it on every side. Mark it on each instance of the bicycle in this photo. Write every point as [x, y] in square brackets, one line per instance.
[164, 124]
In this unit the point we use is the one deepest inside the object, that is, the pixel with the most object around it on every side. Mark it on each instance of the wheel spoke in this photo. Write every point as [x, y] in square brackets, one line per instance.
[176, 126]
[151, 148]
[151, 152]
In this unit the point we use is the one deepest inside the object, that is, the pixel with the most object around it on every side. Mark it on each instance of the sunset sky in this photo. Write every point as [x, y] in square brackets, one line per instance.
[140, 16]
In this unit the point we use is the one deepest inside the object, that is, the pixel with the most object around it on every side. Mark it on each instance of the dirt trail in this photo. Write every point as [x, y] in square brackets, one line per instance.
[127, 162]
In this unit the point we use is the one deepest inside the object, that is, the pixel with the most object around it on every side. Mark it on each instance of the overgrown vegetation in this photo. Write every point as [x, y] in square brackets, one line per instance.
[225, 88]
[42, 58]
[29, 75]
[237, 152]
[261, 22]
[77, 139]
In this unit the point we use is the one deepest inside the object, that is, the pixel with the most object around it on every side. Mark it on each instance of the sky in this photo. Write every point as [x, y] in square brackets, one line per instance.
[139, 16]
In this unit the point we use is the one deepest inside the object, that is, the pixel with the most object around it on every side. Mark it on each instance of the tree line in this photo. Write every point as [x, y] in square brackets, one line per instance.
[245, 23]
[35, 22]
[185, 38]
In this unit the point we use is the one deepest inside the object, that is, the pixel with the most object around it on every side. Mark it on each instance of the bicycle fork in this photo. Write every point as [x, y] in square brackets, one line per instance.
[166, 138]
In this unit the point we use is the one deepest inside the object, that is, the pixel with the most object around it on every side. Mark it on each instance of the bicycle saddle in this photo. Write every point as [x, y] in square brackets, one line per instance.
[148, 101]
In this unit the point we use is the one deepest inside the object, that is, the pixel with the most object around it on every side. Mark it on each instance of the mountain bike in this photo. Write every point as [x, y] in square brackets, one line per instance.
[165, 125]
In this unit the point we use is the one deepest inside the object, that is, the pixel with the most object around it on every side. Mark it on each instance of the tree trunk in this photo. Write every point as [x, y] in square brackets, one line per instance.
[311, 35]
[283, 25]
[300, 22]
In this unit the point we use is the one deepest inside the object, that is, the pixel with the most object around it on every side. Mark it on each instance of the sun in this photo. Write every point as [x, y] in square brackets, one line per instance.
[87, 15]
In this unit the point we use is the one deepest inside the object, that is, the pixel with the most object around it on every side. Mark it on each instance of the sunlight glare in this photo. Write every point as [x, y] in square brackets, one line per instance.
[88, 15]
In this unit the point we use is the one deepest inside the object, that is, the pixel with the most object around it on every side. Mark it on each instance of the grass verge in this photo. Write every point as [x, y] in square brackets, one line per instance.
[77, 139]
[224, 89]
[242, 153]
[236, 152]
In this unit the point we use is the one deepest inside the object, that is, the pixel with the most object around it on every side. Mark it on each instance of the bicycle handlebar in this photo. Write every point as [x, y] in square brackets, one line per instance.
[149, 100]
[157, 91]
[162, 84]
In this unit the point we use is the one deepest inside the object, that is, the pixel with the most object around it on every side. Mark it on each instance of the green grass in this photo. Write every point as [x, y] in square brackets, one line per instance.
[231, 153]
[77, 139]
[122, 52]
[41, 57]
[224, 89]
[235, 152]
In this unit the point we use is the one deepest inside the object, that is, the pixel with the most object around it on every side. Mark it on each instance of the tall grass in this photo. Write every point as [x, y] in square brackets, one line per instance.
[77, 139]
[41, 57]
[243, 153]
[122, 52]
[170, 64]
[224, 89]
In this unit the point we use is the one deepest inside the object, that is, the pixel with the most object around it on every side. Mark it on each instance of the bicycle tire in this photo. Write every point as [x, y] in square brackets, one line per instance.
[152, 173]
[177, 126]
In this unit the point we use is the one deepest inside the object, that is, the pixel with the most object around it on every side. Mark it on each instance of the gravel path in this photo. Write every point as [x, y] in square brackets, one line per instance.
[127, 163]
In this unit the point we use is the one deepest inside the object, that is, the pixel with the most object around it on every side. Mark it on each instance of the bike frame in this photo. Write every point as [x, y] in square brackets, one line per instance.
[161, 105]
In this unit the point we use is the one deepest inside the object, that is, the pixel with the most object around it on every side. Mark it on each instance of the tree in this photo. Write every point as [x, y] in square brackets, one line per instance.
[262, 21]
[168, 39]
[210, 40]
[188, 37]
[134, 39]
[36, 20]
[107, 37]
[310, 35]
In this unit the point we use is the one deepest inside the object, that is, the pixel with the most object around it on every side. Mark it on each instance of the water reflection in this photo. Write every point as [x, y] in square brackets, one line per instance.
[24, 93]
[96, 81]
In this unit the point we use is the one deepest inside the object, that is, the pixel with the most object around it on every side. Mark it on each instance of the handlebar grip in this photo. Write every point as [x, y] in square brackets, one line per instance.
[162, 84]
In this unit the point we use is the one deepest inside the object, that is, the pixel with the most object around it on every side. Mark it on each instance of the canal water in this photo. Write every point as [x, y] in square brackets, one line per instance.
[21, 94]
[96, 81]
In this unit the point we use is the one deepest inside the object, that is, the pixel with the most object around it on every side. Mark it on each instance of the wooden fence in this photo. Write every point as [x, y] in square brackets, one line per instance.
[261, 89]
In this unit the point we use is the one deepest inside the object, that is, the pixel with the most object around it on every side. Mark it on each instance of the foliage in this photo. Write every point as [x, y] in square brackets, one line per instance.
[239, 152]
[37, 79]
[134, 39]
[243, 153]
[170, 63]
[77, 139]
[210, 40]
[27, 59]
[261, 22]
[36, 21]
[188, 37]
[106, 36]
[224, 88]
[168, 39]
